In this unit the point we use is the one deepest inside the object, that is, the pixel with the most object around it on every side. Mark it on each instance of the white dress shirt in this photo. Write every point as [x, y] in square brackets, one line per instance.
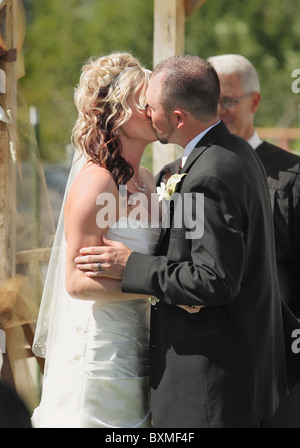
[254, 141]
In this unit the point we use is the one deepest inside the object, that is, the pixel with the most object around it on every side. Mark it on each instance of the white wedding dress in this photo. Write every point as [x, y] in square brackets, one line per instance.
[97, 374]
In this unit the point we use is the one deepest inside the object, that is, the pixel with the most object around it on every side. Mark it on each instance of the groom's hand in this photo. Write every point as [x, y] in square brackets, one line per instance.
[191, 309]
[104, 261]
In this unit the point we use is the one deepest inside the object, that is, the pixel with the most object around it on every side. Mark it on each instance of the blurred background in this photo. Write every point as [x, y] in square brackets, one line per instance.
[62, 35]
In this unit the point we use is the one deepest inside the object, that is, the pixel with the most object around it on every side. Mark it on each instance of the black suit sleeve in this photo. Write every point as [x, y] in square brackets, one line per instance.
[296, 242]
[205, 270]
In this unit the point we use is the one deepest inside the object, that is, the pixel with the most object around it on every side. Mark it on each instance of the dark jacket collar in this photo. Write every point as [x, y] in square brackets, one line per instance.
[210, 138]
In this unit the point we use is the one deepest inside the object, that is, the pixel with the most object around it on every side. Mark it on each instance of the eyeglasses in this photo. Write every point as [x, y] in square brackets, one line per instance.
[231, 103]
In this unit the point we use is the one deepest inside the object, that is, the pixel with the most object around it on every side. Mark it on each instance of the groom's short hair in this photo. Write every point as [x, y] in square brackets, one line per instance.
[190, 83]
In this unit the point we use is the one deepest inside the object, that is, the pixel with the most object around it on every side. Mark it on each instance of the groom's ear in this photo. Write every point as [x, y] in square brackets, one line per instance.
[179, 118]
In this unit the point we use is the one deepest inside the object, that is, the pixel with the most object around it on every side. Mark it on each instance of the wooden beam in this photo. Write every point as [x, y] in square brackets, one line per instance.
[41, 255]
[8, 17]
[191, 6]
[169, 29]
[277, 133]
[169, 37]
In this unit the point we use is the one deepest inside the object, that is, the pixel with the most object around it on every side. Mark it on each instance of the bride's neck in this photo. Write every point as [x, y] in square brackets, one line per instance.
[133, 155]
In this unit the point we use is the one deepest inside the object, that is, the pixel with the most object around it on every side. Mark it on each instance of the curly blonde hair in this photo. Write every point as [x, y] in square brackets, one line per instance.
[106, 88]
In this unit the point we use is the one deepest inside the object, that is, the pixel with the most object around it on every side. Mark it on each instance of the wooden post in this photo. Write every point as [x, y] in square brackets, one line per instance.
[8, 17]
[169, 26]
[169, 37]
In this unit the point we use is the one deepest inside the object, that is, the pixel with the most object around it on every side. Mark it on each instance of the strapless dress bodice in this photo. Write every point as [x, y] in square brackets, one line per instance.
[139, 236]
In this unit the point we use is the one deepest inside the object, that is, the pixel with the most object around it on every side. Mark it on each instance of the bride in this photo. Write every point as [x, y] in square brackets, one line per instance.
[93, 336]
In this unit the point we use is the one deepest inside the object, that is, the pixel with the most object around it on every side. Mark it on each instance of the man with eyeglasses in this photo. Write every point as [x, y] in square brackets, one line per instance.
[239, 100]
[240, 95]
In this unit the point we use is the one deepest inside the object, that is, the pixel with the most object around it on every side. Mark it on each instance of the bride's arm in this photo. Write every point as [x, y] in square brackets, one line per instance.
[82, 229]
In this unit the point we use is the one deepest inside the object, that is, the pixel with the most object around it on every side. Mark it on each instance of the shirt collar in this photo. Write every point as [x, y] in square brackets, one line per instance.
[254, 141]
[191, 145]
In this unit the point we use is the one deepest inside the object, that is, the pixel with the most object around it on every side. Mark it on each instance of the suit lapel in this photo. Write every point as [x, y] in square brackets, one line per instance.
[210, 138]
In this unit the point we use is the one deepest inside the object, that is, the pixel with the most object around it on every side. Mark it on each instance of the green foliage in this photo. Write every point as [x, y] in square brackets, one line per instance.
[60, 37]
[265, 32]
[62, 34]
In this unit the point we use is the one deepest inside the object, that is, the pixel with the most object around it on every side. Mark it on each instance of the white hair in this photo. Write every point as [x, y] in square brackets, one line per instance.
[227, 64]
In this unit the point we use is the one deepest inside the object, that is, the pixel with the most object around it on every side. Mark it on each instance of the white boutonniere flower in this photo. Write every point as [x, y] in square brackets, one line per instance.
[165, 191]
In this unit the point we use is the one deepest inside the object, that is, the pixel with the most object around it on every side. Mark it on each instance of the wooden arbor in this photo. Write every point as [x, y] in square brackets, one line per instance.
[14, 315]
[169, 32]
[8, 65]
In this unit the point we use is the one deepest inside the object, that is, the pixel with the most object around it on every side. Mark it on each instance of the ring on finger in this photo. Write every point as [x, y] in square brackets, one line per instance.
[99, 268]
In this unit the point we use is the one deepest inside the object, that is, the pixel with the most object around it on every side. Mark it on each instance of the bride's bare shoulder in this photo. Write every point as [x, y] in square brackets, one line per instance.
[93, 180]
[88, 185]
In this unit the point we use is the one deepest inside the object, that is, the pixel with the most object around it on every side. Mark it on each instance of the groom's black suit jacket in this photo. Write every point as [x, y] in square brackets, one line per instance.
[283, 173]
[226, 365]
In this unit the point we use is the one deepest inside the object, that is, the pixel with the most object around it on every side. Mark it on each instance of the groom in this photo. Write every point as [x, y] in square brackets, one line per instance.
[222, 366]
